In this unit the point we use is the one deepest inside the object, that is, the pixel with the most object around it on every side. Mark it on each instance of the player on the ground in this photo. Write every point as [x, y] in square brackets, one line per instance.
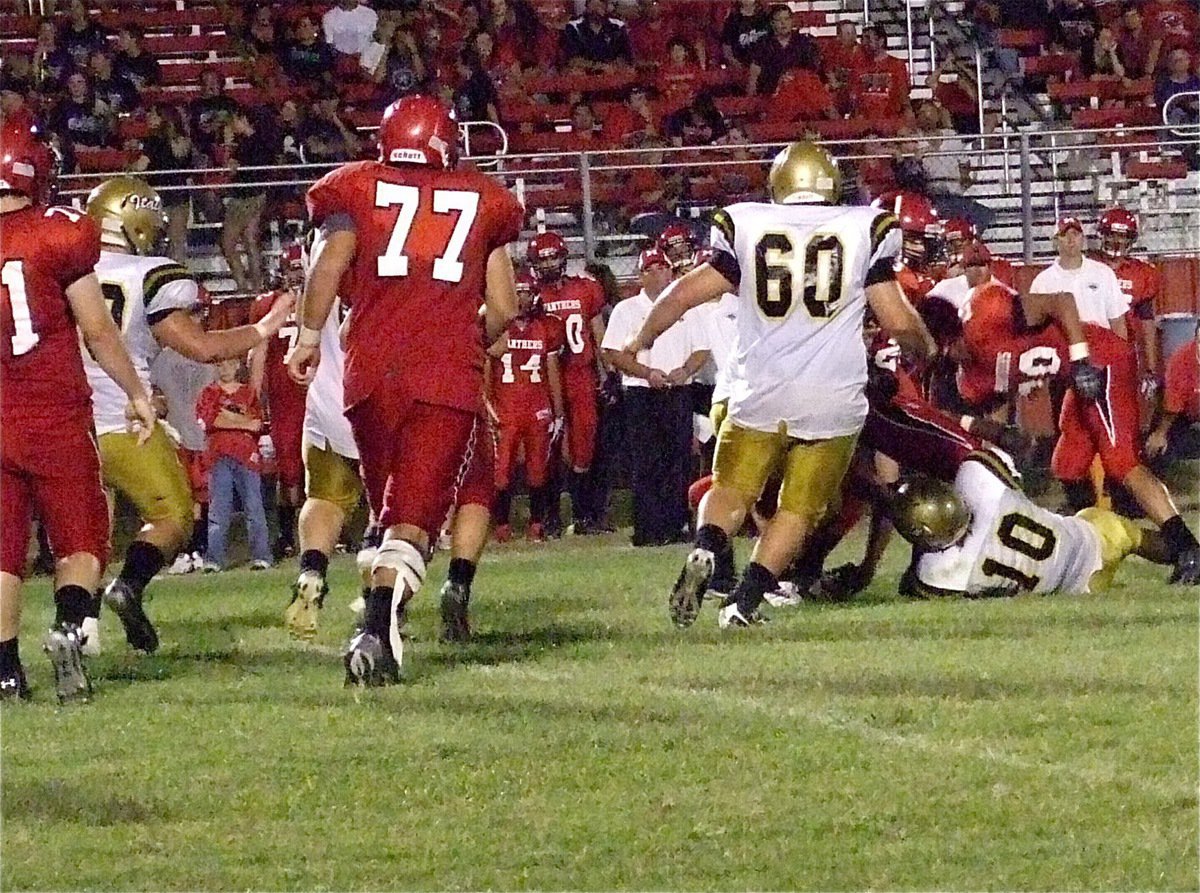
[1008, 345]
[982, 537]
[578, 302]
[413, 246]
[524, 387]
[151, 298]
[805, 270]
[49, 464]
[283, 397]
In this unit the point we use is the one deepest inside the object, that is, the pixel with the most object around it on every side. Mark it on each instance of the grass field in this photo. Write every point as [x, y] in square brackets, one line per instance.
[583, 743]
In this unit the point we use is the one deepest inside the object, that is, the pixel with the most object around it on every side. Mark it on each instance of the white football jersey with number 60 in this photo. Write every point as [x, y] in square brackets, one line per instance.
[801, 271]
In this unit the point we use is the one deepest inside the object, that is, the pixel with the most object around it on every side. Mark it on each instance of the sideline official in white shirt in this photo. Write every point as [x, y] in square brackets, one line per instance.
[1095, 286]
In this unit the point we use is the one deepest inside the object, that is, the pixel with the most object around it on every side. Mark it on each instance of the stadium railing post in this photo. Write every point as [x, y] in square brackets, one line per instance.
[589, 229]
[1026, 200]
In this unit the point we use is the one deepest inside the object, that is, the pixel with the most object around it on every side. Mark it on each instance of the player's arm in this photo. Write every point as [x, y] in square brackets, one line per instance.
[597, 325]
[501, 292]
[703, 284]
[235, 421]
[499, 346]
[103, 341]
[896, 315]
[181, 332]
[258, 367]
[1038, 308]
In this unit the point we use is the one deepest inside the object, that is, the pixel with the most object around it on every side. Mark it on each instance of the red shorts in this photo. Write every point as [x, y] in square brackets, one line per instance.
[54, 473]
[478, 485]
[583, 417]
[287, 434]
[412, 456]
[196, 463]
[1108, 427]
[529, 427]
[919, 437]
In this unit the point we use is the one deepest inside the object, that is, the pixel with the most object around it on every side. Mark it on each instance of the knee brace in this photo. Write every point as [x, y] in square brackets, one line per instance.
[405, 559]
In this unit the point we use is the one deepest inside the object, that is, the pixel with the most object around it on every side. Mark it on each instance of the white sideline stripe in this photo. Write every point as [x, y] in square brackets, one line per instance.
[977, 749]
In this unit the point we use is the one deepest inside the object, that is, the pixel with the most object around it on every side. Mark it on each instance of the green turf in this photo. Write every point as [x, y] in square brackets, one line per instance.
[583, 743]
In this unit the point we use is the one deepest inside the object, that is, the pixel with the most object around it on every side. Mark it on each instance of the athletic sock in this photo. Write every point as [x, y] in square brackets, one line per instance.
[1080, 494]
[72, 604]
[377, 617]
[314, 560]
[577, 487]
[537, 505]
[10, 656]
[503, 507]
[712, 538]
[1179, 538]
[756, 581]
[462, 572]
[142, 561]
[287, 523]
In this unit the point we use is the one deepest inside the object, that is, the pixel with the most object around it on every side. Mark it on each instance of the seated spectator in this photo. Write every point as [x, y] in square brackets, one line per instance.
[349, 27]
[650, 190]
[782, 50]
[1178, 78]
[400, 70]
[133, 63]
[514, 26]
[879, 87]
[327, 139]
[120, 95]
[633, 122]
[51, 62]
[209, 112]
[584, 127]
[247, 148]
[504, 71]
[262, 38]
[1177, 434]
[17, 75]
[552, 19]
[1173, 23]
[166, 148]
[801, 96]
[678, 78]
[877, 173]
[476, 97]
[697, 124]
[594, 42]
[1105, 59]
[840, 59]
[746, 24]
[1073, 27]
[308, 60]
[953, 87]
[80, 118]
[289, 133]
[650, 35]
[1136, 48]
[81, 36]
[745, 178]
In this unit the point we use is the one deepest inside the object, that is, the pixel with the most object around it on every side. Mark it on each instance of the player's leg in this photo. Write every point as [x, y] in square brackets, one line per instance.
[469, 534]
[538, 451]
[287, 434]
[508, 442]
[743, 462]
[1073, 454]
[191, 556]
[583, 424]
[154, 480]
[220, 510]
[14, 544]
[812, 479]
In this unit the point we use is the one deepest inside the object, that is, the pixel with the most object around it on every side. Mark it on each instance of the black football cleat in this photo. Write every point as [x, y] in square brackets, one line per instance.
[1187, 568]
[689, 589]
[456, 625]
[127, 605]
[369, 662]
[14, 686]
[63, 645]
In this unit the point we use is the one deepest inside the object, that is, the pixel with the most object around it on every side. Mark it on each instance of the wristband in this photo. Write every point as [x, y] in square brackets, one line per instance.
[308, 337]
[1079, 351]
[966, 421]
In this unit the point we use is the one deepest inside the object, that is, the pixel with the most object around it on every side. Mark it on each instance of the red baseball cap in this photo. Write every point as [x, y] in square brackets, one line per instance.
[1066, 223]
[652, 257]
[976, 254]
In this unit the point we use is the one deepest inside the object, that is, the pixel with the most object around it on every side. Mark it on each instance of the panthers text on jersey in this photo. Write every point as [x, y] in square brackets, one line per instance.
[801, 273]
[140, 292]
[518, 376]
[1012, 545]
[576, 300]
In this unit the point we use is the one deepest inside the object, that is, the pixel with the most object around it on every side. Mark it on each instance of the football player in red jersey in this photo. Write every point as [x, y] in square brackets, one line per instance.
[922, 249]
[414, 246]
[577, 301]
[678, 243]
[49, 463]
[284, 398]
[524, 386]
[1008, 343]
[1141, 283]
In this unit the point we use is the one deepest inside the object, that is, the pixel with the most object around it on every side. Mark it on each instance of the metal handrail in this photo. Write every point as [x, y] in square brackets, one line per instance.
[1194, 94]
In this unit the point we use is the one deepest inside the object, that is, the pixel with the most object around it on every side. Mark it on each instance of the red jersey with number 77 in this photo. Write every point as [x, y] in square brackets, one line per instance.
[418, 276]
[576, 300]
[43, 251]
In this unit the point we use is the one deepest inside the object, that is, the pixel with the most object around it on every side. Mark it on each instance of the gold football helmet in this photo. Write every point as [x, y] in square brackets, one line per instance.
[804, 173]
[130, 215]
[929, 514]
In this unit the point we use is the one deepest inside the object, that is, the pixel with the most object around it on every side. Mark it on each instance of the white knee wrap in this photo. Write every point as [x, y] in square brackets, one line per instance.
[406, 560]
[366, 560]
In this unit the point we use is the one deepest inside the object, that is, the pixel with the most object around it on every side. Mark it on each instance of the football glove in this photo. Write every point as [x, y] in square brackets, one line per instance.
[1087, 380]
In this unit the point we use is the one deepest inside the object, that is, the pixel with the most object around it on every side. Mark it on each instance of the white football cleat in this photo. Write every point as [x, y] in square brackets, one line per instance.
[183, 564]
[786, 596]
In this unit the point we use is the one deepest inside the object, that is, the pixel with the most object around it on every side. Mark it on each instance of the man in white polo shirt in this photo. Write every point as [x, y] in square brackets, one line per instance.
[657, 405]
[1095, 286]
[349, 27]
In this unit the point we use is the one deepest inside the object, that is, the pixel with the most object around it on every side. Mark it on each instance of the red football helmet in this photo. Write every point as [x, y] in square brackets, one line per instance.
[547, 256]
[26, 162]
[528, 299]
[289, 268]
[678, 243]
[419, 130]
[957, 232]
[920, 224]
[1118, 231]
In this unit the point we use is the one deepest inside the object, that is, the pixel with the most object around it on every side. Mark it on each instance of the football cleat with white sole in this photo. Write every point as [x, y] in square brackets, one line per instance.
[684, 604]
[62, 646]
[90, 630]
[127, 605]
[182, 565]
[731, 617]
[369, 661]
[13, 685]
[456, 625]
[786, 596]
[308, 595]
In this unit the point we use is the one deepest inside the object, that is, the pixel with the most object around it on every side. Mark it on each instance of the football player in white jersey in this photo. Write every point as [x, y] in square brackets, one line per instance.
[982, 537]
[151, 298]
[804, 269]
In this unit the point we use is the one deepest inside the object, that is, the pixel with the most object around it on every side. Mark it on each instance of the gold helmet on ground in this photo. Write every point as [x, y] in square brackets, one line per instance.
[804, 173]
[130, 215]
[929, 514]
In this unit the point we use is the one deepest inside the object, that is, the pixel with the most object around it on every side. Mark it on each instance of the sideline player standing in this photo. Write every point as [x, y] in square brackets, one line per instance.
[50, 462]
[805, 270]
[414, 246]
